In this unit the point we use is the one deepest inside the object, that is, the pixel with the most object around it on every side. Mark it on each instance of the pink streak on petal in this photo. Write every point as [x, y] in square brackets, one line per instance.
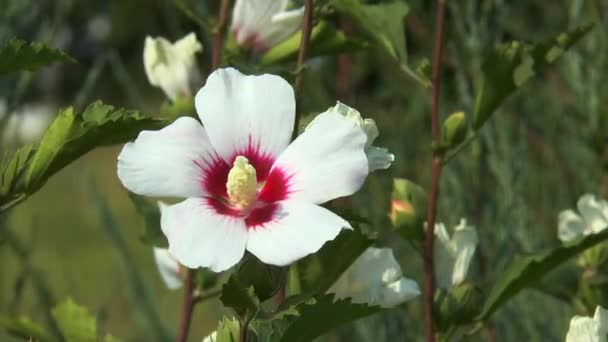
[214, 175]
[259, 217]
[222, 208]
[276, 187]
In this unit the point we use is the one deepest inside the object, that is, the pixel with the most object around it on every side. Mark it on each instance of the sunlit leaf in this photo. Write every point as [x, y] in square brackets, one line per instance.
[68, 138]
[511, 65]
[324, 40]
[75, 322]
[18, 55]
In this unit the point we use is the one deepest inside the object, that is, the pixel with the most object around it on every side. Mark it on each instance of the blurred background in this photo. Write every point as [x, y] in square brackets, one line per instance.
[80, 235]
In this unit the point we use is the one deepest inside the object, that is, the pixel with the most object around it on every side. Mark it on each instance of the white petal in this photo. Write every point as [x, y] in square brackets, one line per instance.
[375, 278]
[172, 67]
[243, 112]
[327, 161]
[379, 158]
[201, 237]
[168, 268]
[297, 230]
[399, 292]
[593, 213]
[211, 337]
[264, 23]
[570, 226]
[587, 329]
[465, 242]
[167, 162]
[283, 25]
[443, 236]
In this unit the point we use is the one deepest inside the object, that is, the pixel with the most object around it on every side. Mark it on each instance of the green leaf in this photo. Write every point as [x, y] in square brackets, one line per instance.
[383, 24]
[68, 138]
[511, 65]
[458, 305]
[240, 298]
[265, 279]
[526, 272]
[319, 271]
[324, 40]
[23, 327]
[227, 330]
[298, 321]
[18, 55]
[152, 233]
[75, 322]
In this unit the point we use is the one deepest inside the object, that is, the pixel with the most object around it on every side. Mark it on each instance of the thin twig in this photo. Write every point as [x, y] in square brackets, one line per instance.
[306, 31]
[243, 331]
[187, 307]
[216, 53]
[436, 163]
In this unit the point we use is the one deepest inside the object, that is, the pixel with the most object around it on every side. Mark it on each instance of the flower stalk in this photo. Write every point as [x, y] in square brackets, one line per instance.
[306, 32]
[216, 52]
[436, 165]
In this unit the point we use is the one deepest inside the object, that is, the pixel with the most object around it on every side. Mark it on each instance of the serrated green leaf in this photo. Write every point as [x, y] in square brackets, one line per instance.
[240, 298]
[511, 65]
[23, 327]
[324, 40]
[18, 55]
[319, 271]
[152, 233]
[299, 320]
[68, 138]
[525, 272]
[75, 322]
[265, 279]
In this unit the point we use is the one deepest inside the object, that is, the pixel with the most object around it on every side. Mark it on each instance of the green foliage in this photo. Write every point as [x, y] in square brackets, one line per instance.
[240, 298]
[525, 272]
[319, 271]
[18, 55]
[383, 25]
[511, 65]
[227, 330]
[457, 305]
[75, 322]
[23, 327]
[68, 138]
[265, 279]
[408, 209]
[299, 320]
[152, 233]
[324, 40]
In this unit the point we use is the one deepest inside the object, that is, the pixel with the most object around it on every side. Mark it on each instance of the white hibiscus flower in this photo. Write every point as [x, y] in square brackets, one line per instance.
[593, 219]
[588, 329]
[375, 278]
[261, 24]
[457, 250]
[172, 67]
[247, 186]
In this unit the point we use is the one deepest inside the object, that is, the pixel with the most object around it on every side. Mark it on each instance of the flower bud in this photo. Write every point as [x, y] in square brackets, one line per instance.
[408, 209]
[454, 129]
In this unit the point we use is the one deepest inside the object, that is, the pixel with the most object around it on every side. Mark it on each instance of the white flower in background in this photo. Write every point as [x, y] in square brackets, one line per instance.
[587, 329]
[172, 67]
[375, 278]
[247, 186]
[593, 219]
[457, 251]
[262, 24]
[27, 124]
[169, 268]
[377, 157]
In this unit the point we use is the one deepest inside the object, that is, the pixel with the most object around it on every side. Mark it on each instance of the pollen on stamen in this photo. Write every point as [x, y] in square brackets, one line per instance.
[242, 183]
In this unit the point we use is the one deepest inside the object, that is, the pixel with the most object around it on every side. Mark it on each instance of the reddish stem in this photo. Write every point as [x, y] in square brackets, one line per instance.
[187, 307]
[216, 52]
[436, 163]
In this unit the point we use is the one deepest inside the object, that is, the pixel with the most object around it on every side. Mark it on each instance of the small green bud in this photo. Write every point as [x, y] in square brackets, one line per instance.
[408, 209]
[454, 129]
[458, 305]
